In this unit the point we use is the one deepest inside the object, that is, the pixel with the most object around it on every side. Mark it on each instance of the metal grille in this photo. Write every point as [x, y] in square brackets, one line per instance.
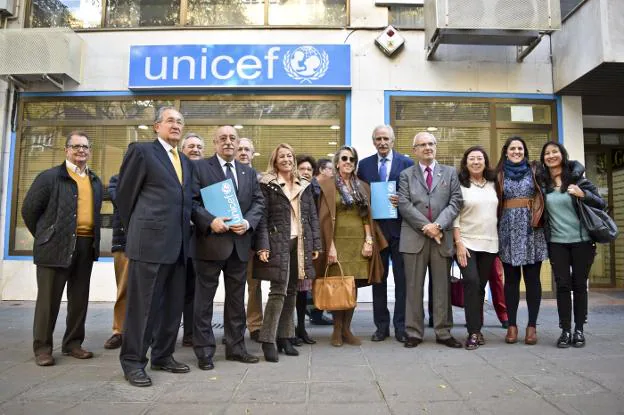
[92, 110]
[257, 110]
[442, 111]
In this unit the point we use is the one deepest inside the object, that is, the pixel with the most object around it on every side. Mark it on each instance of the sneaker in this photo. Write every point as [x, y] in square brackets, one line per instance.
[565, 340]
[578, 339]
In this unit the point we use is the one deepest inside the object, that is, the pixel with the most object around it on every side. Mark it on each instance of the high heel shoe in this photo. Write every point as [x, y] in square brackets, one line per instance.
[270, 352]
[512, 335]
[284, 345]
[303, 335]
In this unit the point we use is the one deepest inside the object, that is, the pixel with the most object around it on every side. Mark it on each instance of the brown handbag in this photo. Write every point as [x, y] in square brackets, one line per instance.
[334, 293]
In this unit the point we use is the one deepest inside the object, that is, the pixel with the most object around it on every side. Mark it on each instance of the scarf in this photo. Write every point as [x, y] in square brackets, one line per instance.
[516, 171]
[353, 197]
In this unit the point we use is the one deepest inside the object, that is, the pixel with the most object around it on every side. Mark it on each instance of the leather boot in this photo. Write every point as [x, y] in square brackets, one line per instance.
[530, 336]
[336, 337]
[347, 336]
[512, 335]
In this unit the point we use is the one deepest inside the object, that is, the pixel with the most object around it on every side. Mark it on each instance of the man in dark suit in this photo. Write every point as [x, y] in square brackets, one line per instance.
[154, 199]
[429, 200]
[218, 247]
[385, 166]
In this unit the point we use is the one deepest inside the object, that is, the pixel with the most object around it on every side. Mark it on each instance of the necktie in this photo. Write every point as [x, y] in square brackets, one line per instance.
[230, 175]
[429, 180]
[383, 170]
[177, 166]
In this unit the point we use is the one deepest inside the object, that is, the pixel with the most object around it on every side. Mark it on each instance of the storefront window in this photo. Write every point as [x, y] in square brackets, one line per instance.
[225, 13]
[142, 13]
[313, 125]
[308, 12]
[66, 13]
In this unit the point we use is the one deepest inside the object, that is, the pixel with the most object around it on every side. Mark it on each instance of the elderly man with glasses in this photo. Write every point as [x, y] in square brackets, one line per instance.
[62, 211]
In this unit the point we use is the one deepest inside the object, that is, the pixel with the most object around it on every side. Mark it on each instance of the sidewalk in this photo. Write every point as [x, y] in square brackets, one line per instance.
[376, 378]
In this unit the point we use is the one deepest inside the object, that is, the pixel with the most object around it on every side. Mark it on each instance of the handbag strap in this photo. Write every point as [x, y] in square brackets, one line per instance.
[339, 266]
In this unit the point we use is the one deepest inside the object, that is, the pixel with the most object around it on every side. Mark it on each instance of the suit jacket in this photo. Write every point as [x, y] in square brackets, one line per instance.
[207, 245]
[368, 171]
[445, 199]
[155, 209]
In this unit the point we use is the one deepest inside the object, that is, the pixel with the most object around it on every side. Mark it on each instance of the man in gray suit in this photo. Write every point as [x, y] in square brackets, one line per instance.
[429, 200]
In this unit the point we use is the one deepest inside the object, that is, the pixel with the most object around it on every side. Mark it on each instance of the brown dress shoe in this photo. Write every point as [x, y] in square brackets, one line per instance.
[530, 336]
[512, 335]
[79, 353]
[114, 342]
[44, 359]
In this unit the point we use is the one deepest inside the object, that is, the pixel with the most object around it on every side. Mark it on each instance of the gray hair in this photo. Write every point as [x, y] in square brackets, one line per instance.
[161, 110]
[191, 135]
[423, 134]
[387, 127]
[253, 148]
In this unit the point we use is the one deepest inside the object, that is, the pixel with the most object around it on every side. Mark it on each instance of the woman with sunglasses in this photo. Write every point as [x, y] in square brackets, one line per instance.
[522, 245]
[571, 248]
[349, 235]
[287, 241]
[476, 236]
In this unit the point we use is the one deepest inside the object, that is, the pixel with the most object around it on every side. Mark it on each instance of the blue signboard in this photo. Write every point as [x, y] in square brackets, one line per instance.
[235, 66]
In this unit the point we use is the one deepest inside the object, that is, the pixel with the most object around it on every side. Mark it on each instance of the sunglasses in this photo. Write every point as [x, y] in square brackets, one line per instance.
[345, 158]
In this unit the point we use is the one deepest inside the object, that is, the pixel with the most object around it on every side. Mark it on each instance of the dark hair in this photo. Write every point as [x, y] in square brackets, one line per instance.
[544, 174]
[464, 174]
[503, 156]
[320, 164]
[303, 158]
[78, 133]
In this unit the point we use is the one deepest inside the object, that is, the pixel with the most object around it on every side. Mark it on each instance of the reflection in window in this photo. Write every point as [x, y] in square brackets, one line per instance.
[407, 17]
[225, 12]
[77, 14]
[308, 12]
[138, 13]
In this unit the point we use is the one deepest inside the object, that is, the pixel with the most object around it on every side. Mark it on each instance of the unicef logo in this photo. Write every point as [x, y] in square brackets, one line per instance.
[226, 189]
[306, 64]
[391, 187]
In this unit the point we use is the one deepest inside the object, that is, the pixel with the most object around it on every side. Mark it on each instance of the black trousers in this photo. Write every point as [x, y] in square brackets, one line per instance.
[50, 285]
[189, 297]
[153, 311]
[381, 315]
[571, 264]
[206, 283]
[533, 290]
[475, 277]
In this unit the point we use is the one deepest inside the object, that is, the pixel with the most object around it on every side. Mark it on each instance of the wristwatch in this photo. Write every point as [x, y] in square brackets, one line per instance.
[368, 241]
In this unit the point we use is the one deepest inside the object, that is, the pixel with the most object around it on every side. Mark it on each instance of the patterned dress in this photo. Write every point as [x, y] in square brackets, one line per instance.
[519, 243]
[349, 237]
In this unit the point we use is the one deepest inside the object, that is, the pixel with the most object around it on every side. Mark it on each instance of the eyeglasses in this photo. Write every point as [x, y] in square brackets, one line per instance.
[345, 158]
[423, 145]
[78, 147]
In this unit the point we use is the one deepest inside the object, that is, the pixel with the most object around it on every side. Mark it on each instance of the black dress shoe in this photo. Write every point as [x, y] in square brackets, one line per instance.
[412, 342]
[578, 339]
[565, 340]
[450, 342]
[138, 377]
[242, 357]
[255, 336]
[303, 335]
[171, 366]
[205, 363]
[401, 336]
[379, 336]
[270, 352]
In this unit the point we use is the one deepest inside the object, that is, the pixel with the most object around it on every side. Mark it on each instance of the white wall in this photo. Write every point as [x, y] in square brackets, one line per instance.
[573, 141]
[457, 69]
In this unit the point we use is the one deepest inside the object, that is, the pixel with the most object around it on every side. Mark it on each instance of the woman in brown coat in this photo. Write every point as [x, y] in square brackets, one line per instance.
[348, 234]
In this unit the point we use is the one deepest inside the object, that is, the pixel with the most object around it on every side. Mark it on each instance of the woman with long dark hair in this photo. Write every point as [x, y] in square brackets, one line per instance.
[522, 244]
[476, 237]
[571, 248]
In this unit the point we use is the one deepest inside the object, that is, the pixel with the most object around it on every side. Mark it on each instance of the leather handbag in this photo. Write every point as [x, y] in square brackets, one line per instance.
[334, 293]
[599, 225]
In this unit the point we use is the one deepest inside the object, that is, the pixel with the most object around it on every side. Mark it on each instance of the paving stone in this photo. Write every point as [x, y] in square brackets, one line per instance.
[435, 408]
[344, 392]
[220, 390]
[341, 373]
[122, 391]
[58, 390]
[348, 409]
[512, 406]
[90, 408]
[265, 409]
[595, 404]
[30, 408]
[271, 391]
[418, 389]
[187, 409]
[558, 385]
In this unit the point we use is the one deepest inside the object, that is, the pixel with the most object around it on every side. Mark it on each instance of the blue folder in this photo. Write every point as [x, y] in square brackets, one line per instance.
[220, 200]
[380, 204]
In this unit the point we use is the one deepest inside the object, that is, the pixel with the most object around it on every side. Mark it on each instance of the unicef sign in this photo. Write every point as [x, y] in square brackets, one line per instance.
[231, 66]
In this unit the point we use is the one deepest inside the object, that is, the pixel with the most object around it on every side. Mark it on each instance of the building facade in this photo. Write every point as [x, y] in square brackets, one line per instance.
[306, 72]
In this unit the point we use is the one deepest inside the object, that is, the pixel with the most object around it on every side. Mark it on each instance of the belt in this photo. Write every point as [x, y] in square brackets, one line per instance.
[519, 202]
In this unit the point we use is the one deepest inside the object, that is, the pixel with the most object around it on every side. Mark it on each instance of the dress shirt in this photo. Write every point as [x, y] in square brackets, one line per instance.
[167, 148]
[388, 163]
[71, 166]
[423, 167]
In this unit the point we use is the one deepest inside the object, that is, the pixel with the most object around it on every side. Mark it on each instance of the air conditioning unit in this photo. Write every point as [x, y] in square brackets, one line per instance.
[7, 8]
[32, 55]
[489, 22]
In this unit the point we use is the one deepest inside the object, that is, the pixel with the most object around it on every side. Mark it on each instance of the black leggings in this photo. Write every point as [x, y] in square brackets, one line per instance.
[302, 303]
[580, 257]
[476, 275]
[533, 286]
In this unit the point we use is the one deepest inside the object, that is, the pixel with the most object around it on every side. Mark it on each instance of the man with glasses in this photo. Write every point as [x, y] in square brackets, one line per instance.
[429, 200]
[386, 165]
[221, 247]
[193, 147]
[154, 202]
[62, 211]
